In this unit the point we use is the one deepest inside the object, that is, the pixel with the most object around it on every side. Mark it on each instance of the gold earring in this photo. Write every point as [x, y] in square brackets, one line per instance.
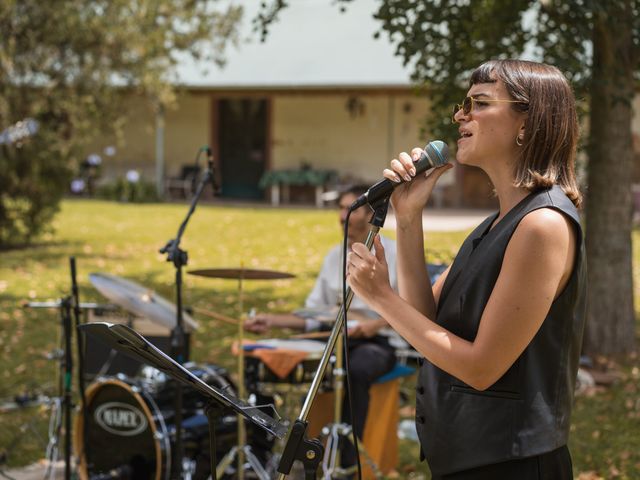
[519, 139]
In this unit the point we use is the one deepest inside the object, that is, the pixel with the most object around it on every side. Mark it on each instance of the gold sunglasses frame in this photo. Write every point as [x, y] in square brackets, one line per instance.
[460, 106]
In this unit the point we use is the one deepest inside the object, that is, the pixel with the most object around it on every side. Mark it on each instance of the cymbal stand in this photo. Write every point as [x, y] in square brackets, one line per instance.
[180, 258]
[298, 447]
[65, 309]
[242, 433]
[76, 306]
[333, 432]
[242, 450]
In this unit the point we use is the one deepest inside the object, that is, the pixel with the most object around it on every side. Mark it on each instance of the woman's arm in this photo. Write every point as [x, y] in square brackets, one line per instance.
[414, 284]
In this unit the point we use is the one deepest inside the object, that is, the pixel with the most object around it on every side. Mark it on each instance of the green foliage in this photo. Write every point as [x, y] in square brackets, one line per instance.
[445, 40]
[123, 190]
[65, 64]
[32, 181]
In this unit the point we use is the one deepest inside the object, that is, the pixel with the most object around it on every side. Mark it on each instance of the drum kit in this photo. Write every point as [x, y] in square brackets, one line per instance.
[128, 426]
[171, 418]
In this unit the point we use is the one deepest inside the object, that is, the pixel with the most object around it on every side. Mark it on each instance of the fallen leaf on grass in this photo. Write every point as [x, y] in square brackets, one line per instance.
[591, 475]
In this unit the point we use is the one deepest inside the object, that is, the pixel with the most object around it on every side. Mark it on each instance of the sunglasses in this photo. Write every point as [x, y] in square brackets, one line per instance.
[469, 102]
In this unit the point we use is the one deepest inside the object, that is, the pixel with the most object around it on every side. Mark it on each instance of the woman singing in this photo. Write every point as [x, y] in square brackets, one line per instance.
[501, 329]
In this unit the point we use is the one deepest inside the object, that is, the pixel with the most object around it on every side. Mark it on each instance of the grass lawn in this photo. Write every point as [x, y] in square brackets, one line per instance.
[123, 239]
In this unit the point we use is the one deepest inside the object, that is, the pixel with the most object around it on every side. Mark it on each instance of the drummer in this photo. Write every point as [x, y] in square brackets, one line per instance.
[370, 353]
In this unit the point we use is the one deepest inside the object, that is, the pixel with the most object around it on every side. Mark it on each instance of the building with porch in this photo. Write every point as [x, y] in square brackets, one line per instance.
[320, 103]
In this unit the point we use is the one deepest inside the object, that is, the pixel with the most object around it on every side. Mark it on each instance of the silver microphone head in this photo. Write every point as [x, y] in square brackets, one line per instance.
[437, 152]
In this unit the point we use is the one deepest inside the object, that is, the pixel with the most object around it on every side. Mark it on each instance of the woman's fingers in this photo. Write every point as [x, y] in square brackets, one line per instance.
[416, 153]
[398, 167]
[403, 168]
[391, 175]
[407, 162]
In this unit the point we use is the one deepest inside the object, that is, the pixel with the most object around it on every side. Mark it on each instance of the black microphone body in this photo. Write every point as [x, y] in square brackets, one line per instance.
[435, 154]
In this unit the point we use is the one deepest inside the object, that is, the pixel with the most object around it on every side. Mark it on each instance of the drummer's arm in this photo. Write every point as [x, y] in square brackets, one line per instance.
[262, 322]
[368, 328]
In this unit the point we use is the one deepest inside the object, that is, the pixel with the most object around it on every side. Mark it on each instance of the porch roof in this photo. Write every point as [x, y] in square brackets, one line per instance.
[312, 45]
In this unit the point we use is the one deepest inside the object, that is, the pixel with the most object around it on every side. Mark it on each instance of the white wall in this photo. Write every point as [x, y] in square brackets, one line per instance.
[319, 130]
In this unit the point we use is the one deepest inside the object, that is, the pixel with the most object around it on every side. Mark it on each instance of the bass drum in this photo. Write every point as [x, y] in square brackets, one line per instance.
[124, 435]
[130, 427]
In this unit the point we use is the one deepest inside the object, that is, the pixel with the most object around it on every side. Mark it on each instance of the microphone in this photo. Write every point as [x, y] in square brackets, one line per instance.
[435, 154]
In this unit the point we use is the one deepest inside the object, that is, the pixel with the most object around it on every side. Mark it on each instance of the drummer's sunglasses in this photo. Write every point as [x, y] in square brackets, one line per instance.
[469, 102]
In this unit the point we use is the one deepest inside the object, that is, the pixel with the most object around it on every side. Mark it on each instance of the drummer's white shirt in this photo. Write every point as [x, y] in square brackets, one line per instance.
[327, 291]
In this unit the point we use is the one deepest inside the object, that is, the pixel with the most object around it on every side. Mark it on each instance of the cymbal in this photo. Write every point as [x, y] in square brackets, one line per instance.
[140, 300]
[241, 273]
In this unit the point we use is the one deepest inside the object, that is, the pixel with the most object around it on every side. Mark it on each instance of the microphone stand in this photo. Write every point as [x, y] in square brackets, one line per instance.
[179, 258]
[298, 446]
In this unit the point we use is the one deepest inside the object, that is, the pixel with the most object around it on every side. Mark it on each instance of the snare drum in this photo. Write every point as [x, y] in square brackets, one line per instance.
[284, 366]
[129, 429]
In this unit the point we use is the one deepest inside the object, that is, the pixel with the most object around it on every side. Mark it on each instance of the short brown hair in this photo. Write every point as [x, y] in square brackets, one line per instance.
[551, 127]
[356, 190]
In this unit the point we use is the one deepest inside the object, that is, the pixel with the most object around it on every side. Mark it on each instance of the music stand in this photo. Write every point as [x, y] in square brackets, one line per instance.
[129, 342]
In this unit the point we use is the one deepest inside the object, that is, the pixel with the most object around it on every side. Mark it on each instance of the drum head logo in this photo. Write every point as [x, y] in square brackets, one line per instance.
[120, 419]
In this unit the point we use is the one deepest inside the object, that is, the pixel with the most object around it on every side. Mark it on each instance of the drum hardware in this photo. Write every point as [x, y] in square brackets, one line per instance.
[241, 274]
[331, 459]
[128, 341]
[61, 406]
[286, 389]
[333, 432]
[298, 447]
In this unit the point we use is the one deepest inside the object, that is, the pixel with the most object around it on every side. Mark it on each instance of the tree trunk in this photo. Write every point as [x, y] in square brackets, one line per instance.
[610, 315]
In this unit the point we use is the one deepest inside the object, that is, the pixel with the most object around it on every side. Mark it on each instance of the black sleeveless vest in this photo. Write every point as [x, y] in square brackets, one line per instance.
[527, 411]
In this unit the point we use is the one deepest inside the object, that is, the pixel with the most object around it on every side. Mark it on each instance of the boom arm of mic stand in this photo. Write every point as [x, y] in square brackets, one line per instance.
[172, 248]
[293, 450]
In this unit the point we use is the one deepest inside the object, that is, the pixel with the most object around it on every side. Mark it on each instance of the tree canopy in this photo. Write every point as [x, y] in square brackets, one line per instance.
[65, 63]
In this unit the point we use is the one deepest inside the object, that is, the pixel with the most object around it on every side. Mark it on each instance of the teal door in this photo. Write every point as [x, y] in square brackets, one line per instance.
[242, 141]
